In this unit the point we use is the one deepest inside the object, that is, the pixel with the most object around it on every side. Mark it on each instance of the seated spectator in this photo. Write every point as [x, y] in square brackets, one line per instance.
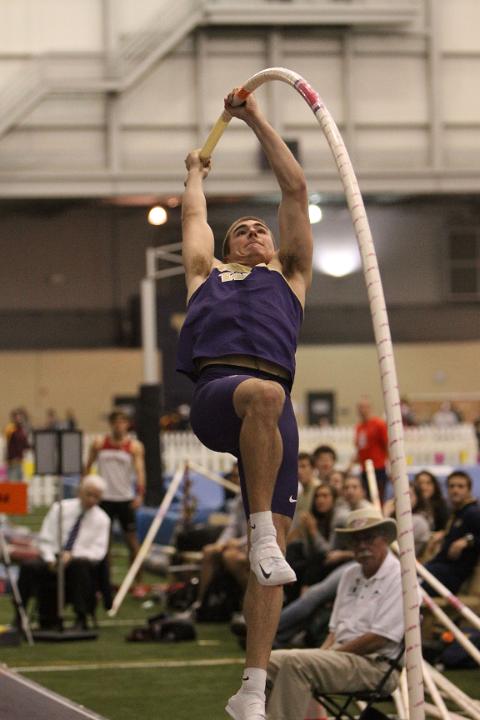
[308, 481]
[460, 546]
[324, 459]
[314, 537]
[430, 500]
[85, 536]
[228, 553]
[336, 478]
[230, 495]
[366, 627]
[297, 616]
[354, 493]
[421, 528]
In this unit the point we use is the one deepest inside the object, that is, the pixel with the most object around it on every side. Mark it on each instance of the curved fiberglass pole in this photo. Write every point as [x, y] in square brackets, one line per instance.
[385, 357]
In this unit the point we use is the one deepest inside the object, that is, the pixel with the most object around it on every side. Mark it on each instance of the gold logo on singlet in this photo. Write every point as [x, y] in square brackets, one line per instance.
[228, 276]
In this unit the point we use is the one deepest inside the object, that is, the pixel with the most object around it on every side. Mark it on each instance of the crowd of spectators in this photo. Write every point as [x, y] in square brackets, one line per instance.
[446, 526]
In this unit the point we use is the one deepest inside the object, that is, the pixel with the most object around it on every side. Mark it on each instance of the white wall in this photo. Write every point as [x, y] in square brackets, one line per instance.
[435, 370]
[30, 26]
[405, 100]
[87, 380]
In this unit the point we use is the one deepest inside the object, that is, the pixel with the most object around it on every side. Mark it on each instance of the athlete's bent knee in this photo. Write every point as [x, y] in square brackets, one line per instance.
[268, 399]
[263, 398]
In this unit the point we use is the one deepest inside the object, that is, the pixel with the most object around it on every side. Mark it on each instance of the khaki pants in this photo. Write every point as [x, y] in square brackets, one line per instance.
[294, 673]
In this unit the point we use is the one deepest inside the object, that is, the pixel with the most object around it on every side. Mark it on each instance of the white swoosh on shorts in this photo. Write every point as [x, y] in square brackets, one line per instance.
[291, 499]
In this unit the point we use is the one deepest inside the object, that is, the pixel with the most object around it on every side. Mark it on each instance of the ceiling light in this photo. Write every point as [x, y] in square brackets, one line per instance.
[157, 215]
[337, 262]
[314, 213]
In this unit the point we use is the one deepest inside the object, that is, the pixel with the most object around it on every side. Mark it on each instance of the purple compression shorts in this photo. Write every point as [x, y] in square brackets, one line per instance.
[216, 424]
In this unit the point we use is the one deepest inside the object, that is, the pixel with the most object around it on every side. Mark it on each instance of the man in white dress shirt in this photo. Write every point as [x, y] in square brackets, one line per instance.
[366, 626]
[84, 543]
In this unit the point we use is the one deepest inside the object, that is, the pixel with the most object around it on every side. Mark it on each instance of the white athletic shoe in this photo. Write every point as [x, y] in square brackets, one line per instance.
[246, 706]
[268, 563]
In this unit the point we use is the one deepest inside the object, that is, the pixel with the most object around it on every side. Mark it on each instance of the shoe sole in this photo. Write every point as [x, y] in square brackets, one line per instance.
[230, 711]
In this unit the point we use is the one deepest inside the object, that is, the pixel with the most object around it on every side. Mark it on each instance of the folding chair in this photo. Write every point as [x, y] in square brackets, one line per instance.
[338, 704]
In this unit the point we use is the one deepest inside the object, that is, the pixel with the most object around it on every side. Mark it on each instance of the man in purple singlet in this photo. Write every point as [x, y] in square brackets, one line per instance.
[238, 345]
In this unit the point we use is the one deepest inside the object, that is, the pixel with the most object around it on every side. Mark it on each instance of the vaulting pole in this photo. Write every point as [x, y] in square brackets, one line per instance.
[385, 358]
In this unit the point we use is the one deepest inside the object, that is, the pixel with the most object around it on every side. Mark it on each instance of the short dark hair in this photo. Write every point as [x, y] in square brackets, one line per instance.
[351, 476]
[462, 474]
[226, 239]
[321, 449]
[306, 456]
[117, 415]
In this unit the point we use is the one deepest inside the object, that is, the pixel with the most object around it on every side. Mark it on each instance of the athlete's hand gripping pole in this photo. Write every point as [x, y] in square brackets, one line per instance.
[218, 129]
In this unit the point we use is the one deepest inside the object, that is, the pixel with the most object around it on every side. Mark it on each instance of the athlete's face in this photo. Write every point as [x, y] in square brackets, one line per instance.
[119, 427]
[250, 243]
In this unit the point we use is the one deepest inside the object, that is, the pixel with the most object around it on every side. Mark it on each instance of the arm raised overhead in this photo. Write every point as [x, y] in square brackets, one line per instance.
[197, 236]
[296, 243]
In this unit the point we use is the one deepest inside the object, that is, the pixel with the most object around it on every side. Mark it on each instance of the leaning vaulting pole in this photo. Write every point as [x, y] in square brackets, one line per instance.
[385, 357]
[147, 542]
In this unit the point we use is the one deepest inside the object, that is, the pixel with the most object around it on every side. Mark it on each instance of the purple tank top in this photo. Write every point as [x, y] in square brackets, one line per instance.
[241, 311]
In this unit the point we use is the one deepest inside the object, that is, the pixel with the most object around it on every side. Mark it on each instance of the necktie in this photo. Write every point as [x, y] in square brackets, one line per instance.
[72, 535]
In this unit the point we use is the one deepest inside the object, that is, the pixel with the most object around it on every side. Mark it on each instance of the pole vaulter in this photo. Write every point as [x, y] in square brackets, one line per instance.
[385, 358]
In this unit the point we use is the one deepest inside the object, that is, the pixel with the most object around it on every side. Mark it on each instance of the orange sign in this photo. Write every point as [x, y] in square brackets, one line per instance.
[13, 498]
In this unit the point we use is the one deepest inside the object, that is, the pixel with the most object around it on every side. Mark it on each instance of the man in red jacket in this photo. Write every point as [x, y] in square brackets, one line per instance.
[371, 441]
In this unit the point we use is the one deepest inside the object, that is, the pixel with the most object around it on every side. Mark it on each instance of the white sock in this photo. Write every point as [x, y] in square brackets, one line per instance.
[254, 680]
[261, 524]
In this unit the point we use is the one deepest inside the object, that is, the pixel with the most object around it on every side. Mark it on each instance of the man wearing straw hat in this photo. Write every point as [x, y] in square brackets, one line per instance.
[238, 344]
[366, 626]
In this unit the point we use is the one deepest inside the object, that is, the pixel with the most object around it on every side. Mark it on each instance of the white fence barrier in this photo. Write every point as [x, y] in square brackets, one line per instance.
[424, 446]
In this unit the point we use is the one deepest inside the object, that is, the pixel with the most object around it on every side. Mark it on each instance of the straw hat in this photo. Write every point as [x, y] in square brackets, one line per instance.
[366, 519]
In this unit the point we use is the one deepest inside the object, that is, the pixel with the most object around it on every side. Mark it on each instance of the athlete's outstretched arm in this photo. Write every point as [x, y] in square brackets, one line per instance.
[197, 236]
[296, 244]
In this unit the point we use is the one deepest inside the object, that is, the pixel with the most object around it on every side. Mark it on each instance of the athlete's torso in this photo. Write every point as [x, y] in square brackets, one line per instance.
[240, 310]
[115, 465]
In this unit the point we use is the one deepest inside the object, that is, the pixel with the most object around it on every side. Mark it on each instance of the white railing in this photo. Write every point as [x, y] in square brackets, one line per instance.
[21, 92]
[153, 41]
[424, 446]
[328, 12]
[125, 67]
